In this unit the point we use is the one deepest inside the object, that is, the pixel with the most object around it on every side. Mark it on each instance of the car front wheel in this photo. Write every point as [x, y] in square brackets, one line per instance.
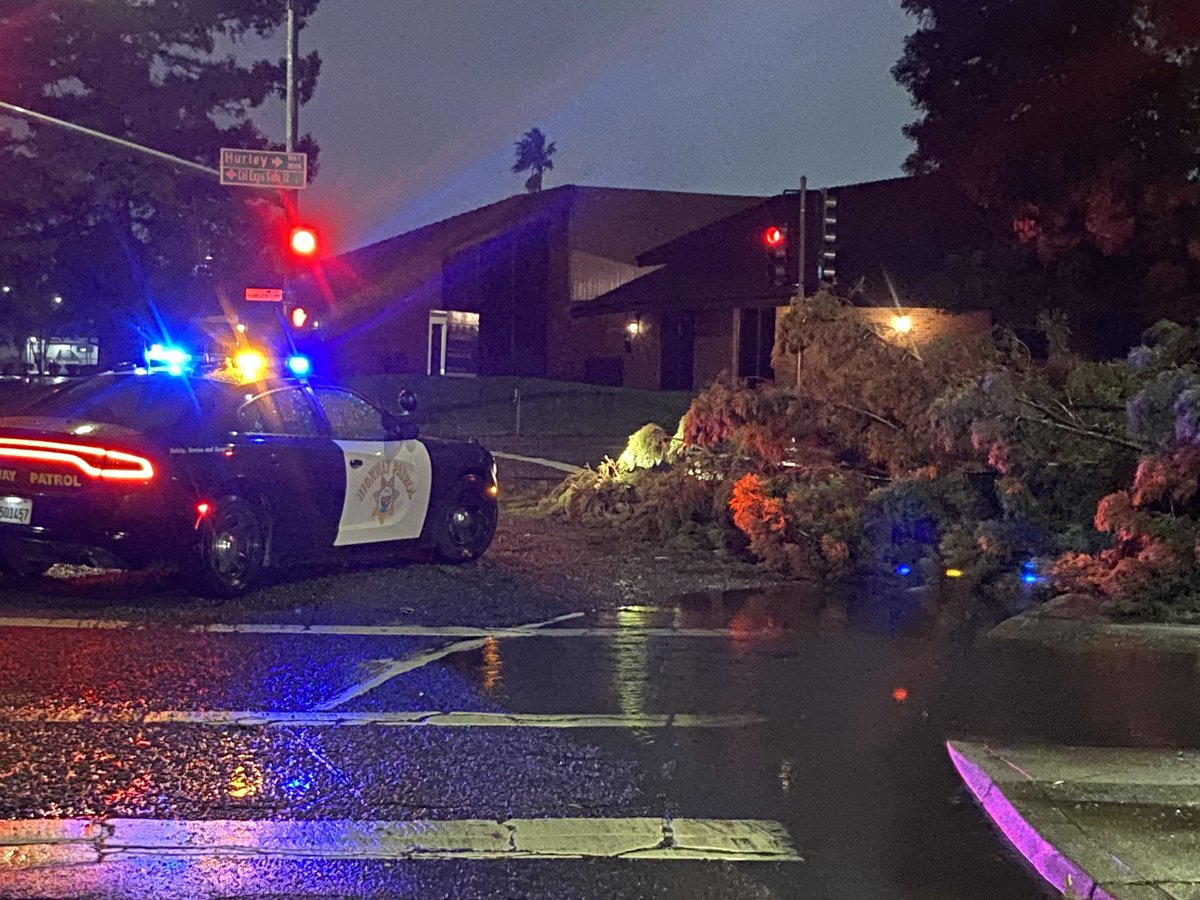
[230, 549]
[466, 522]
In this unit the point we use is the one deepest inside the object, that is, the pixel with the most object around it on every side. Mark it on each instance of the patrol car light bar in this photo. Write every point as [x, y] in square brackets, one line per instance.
[108, 465]
[299, 365]
[173, 359]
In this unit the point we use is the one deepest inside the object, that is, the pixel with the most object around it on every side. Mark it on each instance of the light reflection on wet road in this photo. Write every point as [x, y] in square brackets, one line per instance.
[843, 716]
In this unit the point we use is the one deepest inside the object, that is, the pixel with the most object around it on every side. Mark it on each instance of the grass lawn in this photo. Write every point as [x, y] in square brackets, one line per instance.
[459, 407]
[483, 407]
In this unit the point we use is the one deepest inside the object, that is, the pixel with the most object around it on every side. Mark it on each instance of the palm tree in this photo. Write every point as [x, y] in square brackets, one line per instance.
[533, 154]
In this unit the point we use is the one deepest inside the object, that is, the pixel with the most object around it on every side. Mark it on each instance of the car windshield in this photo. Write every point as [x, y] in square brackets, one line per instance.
[146, 403]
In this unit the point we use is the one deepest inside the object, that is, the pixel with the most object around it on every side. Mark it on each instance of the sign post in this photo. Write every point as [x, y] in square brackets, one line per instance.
[264, 169]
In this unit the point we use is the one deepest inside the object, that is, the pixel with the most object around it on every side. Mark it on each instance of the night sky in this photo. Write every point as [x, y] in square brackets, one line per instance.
[419, 104]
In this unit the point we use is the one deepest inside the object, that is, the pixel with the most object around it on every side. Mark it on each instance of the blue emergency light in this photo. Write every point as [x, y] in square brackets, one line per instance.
[173, 359]
[299, 365]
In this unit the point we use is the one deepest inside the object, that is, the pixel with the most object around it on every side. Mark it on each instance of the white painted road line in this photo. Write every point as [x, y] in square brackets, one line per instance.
[385, 670]
[447, 631]
[49, 843]
[248, 718]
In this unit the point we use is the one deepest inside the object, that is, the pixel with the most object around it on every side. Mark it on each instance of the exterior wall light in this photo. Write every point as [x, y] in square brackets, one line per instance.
[902, 324]
[633, 328]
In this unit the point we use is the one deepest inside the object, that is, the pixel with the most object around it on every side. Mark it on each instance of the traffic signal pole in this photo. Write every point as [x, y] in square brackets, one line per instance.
[801, 236]
[101, 136]
[291, 123]
[291, 129]
[801, 241]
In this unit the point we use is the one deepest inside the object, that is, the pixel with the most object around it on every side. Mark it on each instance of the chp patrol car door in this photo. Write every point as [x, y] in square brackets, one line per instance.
[387, 481]
[280, 457]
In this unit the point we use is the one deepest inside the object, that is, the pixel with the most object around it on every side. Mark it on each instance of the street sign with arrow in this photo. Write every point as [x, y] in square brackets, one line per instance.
[264, 168]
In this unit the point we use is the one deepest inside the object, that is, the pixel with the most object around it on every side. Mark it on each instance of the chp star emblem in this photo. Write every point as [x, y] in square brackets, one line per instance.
[385, 500]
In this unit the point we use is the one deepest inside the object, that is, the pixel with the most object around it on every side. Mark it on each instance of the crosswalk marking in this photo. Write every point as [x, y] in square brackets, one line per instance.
[447, 631]
[49, 843]
[403, 719]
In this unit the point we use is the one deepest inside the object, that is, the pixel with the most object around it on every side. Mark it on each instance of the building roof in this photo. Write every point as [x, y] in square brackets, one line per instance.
[616, 224]
[894, 234]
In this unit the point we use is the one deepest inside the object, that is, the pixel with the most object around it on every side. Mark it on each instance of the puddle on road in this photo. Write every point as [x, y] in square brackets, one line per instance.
[860, 690]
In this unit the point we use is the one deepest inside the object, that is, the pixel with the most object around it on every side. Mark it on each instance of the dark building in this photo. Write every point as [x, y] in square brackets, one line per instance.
[649, 289]
[490, 291]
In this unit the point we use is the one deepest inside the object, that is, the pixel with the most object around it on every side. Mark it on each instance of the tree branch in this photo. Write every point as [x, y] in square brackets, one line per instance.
[870, 415]
[1051, 421]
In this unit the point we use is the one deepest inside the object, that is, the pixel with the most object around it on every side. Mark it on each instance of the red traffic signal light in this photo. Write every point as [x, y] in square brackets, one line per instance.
[298, 316]
[774, 239]
[303, 241]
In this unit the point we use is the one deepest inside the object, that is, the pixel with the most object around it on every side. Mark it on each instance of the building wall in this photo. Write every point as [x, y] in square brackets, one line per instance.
[566, 339]
[714, 345]
[927, 325]
[393, 338]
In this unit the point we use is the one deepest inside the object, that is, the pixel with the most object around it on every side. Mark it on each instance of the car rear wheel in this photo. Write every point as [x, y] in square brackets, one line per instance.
[466, 522]
[25, 573]
[231, 548]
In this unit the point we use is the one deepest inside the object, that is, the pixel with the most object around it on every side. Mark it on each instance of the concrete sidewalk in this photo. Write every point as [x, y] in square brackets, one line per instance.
[1109, 824]
[1044, 626]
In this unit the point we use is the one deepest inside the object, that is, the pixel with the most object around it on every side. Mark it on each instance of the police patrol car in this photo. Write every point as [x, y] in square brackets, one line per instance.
[229, 473]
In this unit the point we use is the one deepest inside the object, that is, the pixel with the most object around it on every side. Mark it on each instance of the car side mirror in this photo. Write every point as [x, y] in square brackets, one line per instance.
[400, 427]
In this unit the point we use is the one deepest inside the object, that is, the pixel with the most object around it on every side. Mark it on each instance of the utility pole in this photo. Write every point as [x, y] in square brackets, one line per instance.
[801, 241]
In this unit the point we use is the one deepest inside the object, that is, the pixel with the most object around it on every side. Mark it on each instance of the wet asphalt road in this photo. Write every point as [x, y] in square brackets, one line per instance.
[817, 723]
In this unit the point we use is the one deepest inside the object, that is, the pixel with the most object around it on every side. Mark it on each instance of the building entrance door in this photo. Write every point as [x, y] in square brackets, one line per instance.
[437, 343]
[678, 350]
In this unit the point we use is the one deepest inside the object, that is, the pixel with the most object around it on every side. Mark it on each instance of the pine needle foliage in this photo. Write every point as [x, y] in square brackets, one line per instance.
[967, 455]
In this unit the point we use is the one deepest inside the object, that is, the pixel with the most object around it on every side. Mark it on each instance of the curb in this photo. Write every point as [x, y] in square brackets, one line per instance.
[1052, 864]
[1082, 634]
[1101, 823]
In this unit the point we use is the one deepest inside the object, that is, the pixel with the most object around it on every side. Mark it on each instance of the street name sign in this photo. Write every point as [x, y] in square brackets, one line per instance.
[264, 168]
[265, 295]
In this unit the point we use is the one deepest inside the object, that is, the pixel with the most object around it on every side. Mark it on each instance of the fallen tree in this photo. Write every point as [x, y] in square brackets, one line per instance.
[963, 457]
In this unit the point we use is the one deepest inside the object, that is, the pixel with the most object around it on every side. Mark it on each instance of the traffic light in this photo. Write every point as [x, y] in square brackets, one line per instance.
[775, 243]
[827, 265]
[298, 316]
[303, 241]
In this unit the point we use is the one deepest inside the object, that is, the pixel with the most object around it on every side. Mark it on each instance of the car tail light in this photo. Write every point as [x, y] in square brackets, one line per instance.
[95, 462]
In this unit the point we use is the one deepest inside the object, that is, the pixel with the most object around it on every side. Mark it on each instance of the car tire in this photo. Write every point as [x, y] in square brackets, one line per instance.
[25, 575]
[465, 523]
[230, 549]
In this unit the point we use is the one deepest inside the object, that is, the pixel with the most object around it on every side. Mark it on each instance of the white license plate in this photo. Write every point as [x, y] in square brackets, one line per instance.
[15, 510]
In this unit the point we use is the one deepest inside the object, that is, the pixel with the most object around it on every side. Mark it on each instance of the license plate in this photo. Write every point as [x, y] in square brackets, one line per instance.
[15, 510]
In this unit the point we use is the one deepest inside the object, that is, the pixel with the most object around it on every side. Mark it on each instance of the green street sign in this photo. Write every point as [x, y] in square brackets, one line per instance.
[264, 168]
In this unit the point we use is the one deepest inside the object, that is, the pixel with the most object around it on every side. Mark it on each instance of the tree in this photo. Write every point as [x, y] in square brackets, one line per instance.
[128, 240]
[534, 155]
[1078, 123]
